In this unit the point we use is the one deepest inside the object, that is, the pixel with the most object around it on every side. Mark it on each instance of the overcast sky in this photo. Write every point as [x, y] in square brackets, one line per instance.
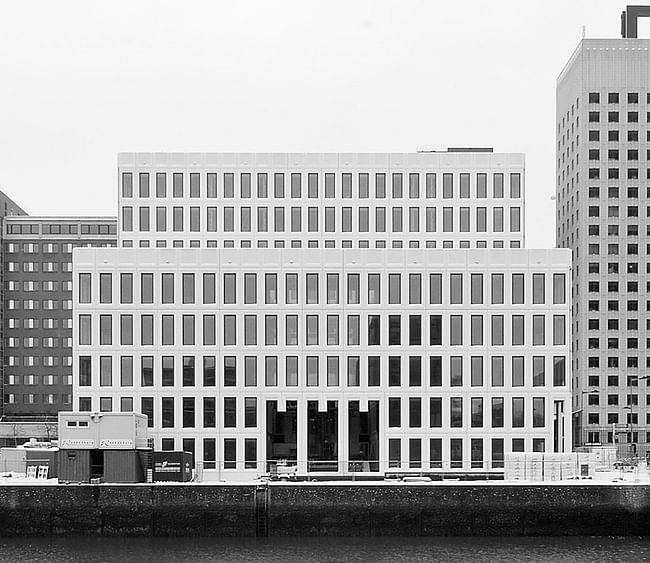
[81, 81]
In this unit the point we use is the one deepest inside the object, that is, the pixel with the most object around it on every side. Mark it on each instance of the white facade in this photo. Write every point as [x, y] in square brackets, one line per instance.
[603, 205]
[453, 199]
[377, 360]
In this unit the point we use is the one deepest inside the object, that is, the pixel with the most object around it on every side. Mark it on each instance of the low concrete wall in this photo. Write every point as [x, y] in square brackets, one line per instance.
[323, 510]
[440, 510]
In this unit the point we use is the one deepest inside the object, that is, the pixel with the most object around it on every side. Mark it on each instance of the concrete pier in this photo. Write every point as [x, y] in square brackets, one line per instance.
[280, 509]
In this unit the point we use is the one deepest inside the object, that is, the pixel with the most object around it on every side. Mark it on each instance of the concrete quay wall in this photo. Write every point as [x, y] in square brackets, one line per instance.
[324, 510]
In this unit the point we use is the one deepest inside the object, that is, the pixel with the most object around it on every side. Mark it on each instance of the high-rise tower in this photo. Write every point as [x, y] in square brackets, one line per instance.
[603, 211]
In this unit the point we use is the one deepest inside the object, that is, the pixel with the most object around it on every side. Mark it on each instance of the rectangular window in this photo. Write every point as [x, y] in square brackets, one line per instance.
[364, 185]
[250, 412]
[447, 219]
[296, 185]
[229, 371]
[271, 371]
[497, 371]
[476, 407]
[456, 412]
[270, 330]
[229, 289]
[456, 330]
[539, 414]
[167, 282]
[497, 289]
[456, 289]
[270, 289]
[209, 330]
[105, 330]
[354, 378]
[126, 288]
[250, 289]
[291, 371]
[394, 371]
[397, 185]
[126, 371]
[415, 330]
[539, 330]
[374, 289]
[497, 185]
[518, 374]
[435, 330]
[146, 330]
[374, 371]
[517, 412]
[168, 371]
[312, 289]
[209, 289]
[476, 378]
[85, 371]
[85, 288]
[435, 371]
[497, 412]
[354, 284]
[539, 375]
[146, 371]
[209, 413]
[456, 371]
[126, 330]
[188, 371]
[415, 412]
[250, 330]
[559, 330]
[127, 184]
[518, 330]
[230, 412]
[559, 371]
[85, 330]
[559, 295]
[476, 283]
[291, 289]
[394, 412]
[435, 289]
[188, 330]
[188, 288]
[394, 330]
[230, 330]
[435, 412]
[161, 184]
[250, 371]
[230, 453]
[209, 371]
[312, 371]
[415, 289]
[353, 330]
[105, 288]
[538, 289]
[332, 371]
[167, 412]
[518, 289]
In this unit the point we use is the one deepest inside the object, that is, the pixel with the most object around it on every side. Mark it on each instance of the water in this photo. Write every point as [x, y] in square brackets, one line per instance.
[285, 550]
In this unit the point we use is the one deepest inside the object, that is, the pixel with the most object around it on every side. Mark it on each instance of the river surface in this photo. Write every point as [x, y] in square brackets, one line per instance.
[285, 550]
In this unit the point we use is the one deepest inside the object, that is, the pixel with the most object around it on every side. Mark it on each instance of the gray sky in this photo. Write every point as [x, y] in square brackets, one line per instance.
[81, 81]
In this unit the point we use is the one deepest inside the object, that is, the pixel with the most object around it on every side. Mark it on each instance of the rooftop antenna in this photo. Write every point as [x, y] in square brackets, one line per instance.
[584, 31]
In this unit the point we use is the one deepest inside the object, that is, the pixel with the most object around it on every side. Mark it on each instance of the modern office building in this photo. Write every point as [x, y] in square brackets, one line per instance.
[451, 199]
[342, 313]
[603, 211]
[37, 309]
